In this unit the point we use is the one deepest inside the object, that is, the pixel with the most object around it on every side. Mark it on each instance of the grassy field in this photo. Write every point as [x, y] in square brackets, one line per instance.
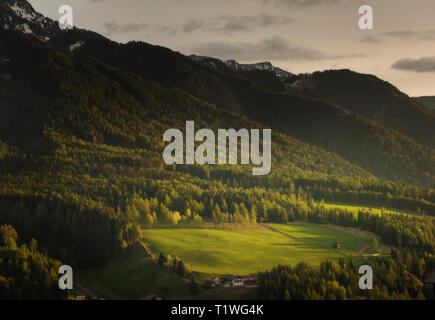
[211, 252]
[134, 277]
[235, 250]
[247, 251]
[358, 207]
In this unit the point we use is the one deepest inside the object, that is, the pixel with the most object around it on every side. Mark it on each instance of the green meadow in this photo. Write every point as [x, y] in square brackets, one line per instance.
[210, 252]
[357, 207]
[133, 277]
[218, 251]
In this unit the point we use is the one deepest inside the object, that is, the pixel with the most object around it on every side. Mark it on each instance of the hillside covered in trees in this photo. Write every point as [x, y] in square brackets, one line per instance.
[26, 273]
[429, 102]
[379, 150]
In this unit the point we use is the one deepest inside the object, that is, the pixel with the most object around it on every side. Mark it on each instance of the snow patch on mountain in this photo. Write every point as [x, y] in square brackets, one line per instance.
[287, 78]
[26, 29]
[19, 15]
[21, 12]
[262, 66]
[76, 45]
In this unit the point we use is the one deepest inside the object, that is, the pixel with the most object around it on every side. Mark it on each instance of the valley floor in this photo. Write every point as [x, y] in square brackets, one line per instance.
[241, 252]
[209, 252]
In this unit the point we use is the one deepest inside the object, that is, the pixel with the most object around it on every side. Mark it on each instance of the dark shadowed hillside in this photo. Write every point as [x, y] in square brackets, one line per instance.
[80, 138]
[373, 98]
[364, 94]
[429, 102]
[381, 151]
[82, 97]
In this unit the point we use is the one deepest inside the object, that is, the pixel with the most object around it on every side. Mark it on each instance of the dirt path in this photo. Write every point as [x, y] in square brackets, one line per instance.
[284, 234]
[358, 254]
[361, 251]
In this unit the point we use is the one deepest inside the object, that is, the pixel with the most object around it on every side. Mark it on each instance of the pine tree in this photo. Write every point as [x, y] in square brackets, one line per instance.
[162, 259]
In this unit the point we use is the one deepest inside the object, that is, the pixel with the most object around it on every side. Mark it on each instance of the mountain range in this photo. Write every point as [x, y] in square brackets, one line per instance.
[378, 149]
[363, 94]
[427, 101]
[20, 15]
[361, 118]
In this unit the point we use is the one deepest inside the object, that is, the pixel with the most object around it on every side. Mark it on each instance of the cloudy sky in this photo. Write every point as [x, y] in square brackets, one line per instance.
[296, 35]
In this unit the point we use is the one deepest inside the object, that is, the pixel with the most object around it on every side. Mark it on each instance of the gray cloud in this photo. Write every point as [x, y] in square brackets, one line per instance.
[112, 27]
[302, 3]
[274, 48]
[193, 24]
[371, 38]
[230, 24]
[411, 34]
[425, 64]
[400, 34]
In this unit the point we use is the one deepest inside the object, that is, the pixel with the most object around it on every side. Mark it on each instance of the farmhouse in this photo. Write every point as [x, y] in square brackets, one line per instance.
[235, 281]
[251, 283]
[225, 280]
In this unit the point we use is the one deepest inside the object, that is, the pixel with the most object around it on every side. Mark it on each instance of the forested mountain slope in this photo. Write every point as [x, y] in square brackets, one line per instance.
[373, 98]
[80, 139]
[20, 15]
[429, 101]
[381, 151]
[363, 94]
[97, 103]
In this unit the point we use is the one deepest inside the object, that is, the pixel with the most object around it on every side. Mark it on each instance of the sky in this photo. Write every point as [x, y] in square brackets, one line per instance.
[296, 35]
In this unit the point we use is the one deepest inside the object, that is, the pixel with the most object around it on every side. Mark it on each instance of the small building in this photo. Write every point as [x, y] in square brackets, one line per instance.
[239, 282]
[225, 280]
[250, 283]
[230, 280]
[337, 245]
[216, 282]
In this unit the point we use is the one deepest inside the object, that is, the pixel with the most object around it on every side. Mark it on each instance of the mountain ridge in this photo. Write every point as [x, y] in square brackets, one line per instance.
[359, 140]
[363, 94]
[263, 74]
[21, 16]
[428, 101]
[373, 98]
[363, 142]
[125, 107]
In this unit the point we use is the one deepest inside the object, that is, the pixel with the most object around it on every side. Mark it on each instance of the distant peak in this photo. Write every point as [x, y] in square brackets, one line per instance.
[262, 66]
[19, 15]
